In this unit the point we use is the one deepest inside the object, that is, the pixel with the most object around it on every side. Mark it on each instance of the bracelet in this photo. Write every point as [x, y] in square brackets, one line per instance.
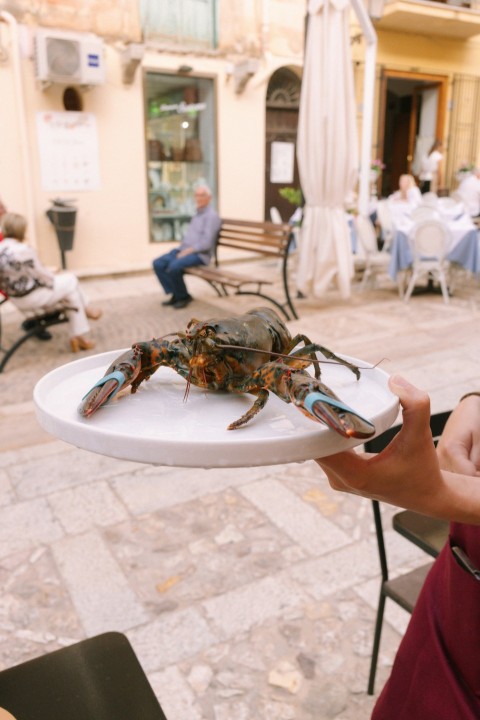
[468, 395]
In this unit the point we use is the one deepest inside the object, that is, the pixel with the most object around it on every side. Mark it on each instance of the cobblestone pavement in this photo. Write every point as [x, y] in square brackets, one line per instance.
[246, 593]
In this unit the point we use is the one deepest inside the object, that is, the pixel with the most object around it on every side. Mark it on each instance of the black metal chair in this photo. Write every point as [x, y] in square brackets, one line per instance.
[35, 325]
[99, 678]
[429, 534]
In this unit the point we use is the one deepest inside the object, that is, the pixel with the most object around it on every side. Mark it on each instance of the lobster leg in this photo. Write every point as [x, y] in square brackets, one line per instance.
[309, 350]
[262, 397]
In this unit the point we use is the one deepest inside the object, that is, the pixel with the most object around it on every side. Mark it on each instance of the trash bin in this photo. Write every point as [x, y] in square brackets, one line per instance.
[63, 216]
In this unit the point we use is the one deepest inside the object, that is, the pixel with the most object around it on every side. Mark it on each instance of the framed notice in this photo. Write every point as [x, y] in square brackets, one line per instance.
[282, 162]
[68, 149]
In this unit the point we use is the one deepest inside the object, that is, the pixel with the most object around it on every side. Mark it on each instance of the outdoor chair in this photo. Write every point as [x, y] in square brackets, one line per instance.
[275, 216]
[35, 324]
[429, 534]
[376, 261]
[429, 243]
[384, 217]
[447, 203]
[423, 212]
[430, 199]
[97, 678]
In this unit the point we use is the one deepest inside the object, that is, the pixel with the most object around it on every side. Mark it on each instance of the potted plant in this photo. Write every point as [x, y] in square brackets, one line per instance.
[295, 197]
[464, 171]
[376, 167]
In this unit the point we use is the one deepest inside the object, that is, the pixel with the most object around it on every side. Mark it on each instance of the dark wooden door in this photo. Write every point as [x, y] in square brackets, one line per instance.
[281, 127]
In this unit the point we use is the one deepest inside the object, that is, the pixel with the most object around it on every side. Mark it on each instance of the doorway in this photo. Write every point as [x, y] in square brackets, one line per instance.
[281, 170]
[412, 116]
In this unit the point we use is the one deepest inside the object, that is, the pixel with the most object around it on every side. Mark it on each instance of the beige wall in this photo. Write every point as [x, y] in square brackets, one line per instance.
[112, 231]
[113, 228]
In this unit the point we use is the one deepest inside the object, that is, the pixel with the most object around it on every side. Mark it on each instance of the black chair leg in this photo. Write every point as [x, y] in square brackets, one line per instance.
[376, 642]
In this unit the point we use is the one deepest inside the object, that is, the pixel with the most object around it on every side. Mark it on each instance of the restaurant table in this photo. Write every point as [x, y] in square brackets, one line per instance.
[464, 246]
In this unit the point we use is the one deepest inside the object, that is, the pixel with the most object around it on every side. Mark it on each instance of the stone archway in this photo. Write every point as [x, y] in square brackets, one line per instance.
[282, 102]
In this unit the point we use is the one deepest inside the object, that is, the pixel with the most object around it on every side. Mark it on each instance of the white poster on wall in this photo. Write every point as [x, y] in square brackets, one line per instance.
[68, 149]
[282, 162]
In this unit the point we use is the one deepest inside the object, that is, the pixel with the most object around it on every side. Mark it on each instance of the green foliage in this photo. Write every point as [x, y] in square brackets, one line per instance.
[293, 195]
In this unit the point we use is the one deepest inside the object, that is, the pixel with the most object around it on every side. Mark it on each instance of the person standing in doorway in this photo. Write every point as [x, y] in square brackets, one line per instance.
[431, 169]
[196, 248]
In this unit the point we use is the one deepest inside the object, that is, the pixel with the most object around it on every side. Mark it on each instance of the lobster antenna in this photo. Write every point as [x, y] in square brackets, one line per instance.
[299, 357]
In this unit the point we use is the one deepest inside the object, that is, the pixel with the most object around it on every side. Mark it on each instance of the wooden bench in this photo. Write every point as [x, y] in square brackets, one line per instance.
[34, 325]
[256, 239]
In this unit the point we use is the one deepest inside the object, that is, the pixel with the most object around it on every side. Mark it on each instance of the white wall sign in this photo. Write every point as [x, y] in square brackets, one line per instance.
[282, 162]
[68, 148]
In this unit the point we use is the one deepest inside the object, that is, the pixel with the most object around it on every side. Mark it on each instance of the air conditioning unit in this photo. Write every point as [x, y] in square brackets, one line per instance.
[69, 58]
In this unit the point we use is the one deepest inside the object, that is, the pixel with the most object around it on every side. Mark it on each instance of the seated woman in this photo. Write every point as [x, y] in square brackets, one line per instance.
[31, 286]
[407, 191]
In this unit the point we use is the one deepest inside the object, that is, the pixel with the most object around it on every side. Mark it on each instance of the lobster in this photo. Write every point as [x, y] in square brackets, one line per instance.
[251, 353]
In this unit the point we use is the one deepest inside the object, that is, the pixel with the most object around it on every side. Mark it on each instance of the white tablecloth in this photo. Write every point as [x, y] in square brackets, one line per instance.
[463, 248]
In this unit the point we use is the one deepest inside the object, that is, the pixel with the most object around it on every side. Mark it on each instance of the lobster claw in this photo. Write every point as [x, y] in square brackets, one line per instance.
[101, 393]
[121, 373]
[337, 415]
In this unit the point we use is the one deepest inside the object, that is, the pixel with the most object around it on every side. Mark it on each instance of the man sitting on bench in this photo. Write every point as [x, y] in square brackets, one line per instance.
[196, 248]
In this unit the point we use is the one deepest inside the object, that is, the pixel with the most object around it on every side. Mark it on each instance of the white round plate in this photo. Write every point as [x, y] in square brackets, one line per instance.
[157, 425]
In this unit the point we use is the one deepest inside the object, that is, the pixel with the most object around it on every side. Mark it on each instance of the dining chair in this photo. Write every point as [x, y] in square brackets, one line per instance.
[275, 216]
[424, 212]
[99, 678]
[429, 242]
[429, 534]
[376, 261]
[430, 199]
[447, 203]
[385, 221]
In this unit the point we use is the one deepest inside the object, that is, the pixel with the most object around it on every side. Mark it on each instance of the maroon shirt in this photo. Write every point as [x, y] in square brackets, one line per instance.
[436, 673]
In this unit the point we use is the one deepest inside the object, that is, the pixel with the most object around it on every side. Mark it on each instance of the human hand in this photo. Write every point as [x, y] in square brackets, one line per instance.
[407, 473]
[185, 252]
[459, 447]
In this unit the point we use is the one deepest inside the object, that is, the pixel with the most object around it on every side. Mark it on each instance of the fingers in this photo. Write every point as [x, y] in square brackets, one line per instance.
[344, 470]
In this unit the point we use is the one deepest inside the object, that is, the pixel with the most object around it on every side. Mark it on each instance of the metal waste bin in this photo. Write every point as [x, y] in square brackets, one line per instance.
[63, 216]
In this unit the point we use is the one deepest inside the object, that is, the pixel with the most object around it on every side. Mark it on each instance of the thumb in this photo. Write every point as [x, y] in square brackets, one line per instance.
[415, 408]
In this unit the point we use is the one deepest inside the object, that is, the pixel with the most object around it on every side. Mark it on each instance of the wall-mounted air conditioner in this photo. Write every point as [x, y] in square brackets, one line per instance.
[69, 58]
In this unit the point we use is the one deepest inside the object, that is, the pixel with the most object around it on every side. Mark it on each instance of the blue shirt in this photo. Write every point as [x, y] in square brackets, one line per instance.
[201, 234]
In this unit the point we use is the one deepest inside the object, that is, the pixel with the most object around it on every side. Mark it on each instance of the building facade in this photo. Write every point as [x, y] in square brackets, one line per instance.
[180, 93]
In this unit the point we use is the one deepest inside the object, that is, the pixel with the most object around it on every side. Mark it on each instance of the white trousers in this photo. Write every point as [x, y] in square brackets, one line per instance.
[66, 289]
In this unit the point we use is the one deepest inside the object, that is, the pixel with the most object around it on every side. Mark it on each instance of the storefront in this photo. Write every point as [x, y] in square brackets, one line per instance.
[181, 149]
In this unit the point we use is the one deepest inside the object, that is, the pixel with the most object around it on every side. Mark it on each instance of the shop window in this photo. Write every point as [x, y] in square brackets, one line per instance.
[180, 149]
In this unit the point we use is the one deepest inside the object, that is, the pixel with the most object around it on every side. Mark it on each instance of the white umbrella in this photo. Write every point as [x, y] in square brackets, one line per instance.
[327, 149]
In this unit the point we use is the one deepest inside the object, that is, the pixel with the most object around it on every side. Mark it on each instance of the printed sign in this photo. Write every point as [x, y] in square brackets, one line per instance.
[68, 149]
[282, 162]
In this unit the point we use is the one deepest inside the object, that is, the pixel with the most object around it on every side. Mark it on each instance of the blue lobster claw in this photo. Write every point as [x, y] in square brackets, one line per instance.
[109, 386]
[337, 415]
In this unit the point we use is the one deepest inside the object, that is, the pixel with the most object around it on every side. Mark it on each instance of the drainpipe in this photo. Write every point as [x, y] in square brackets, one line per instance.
[265, 28]
[368, 96]
[22, 124]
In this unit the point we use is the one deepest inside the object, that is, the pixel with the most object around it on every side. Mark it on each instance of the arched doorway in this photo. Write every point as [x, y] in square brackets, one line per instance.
[283, 97]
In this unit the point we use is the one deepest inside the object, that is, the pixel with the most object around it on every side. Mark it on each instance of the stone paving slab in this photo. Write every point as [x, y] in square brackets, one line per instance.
[247, 593]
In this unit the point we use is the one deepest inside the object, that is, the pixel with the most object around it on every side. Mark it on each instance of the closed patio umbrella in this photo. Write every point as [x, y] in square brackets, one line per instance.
[327, 149]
